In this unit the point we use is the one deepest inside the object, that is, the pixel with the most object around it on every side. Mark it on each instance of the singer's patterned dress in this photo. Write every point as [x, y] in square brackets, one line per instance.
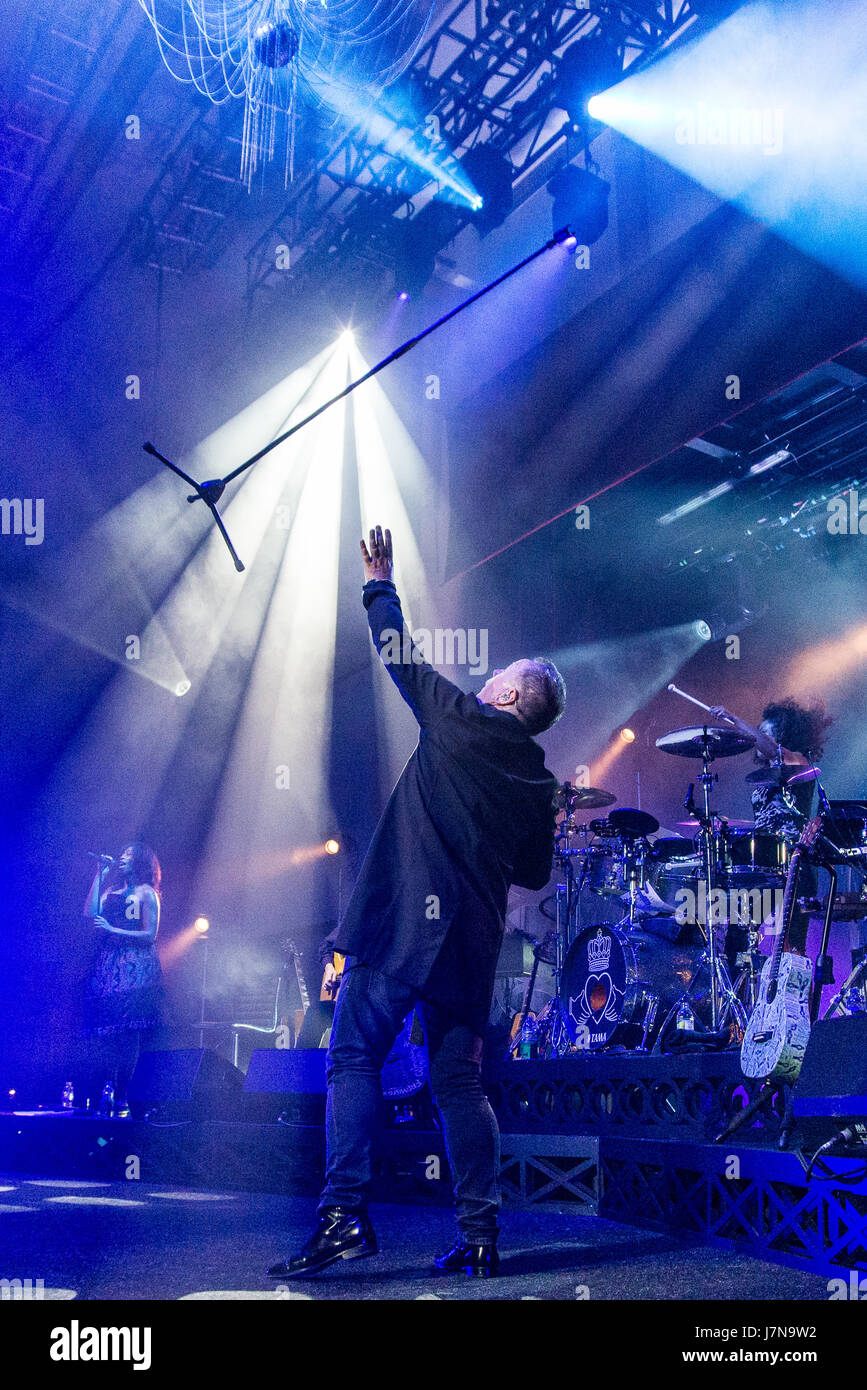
[126, 984]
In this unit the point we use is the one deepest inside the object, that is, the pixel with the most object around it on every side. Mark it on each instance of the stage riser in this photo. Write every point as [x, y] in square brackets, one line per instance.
[767, 1210]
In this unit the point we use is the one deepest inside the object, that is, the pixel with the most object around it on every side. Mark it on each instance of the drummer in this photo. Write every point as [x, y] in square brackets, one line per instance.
[788, 740]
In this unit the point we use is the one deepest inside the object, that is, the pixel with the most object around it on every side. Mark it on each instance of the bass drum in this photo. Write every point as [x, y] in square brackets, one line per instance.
[614, 981]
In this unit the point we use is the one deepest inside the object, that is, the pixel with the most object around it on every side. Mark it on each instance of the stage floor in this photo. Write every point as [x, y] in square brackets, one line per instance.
[104, 1240]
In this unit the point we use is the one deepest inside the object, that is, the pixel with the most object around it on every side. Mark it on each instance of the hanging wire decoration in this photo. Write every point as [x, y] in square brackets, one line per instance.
[273, 53]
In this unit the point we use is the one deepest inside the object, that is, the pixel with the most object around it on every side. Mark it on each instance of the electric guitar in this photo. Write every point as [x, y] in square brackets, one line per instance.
[779, 1027]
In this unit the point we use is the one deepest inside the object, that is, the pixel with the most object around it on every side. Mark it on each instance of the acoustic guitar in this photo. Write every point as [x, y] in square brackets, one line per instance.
[778, 1029]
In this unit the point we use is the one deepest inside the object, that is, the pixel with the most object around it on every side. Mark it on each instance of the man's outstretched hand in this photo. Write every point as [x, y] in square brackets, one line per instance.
[379, 560]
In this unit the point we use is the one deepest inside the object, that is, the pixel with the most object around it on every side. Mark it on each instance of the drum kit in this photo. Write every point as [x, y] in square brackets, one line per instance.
[656, 978]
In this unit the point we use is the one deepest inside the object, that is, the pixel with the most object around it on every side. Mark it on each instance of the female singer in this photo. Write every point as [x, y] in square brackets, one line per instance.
[125, 986]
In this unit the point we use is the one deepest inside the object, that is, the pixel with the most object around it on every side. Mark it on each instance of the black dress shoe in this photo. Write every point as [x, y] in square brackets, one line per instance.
[477, 1261]
[340, 1235]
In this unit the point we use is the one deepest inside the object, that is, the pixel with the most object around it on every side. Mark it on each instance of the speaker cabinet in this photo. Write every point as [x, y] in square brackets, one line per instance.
[287, 1082]
[188, 1084]
[831, 1091]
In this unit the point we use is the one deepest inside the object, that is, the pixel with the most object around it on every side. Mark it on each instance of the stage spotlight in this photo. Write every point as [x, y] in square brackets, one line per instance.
[417, 241]
[332, 846]
[588, 67]
[580, 203]
[724, 623]
[490, 173]
[347, 338]
[628, 735]
[182, 687]
[202, 926]
[403, 295]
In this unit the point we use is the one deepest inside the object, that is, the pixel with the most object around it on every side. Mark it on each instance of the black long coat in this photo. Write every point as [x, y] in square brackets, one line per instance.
[471, 814]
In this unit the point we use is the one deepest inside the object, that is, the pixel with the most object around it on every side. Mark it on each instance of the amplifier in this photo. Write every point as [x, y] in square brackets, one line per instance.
[831, 1091]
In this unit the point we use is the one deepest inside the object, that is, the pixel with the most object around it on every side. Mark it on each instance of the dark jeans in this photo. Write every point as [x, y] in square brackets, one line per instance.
[370, 1010]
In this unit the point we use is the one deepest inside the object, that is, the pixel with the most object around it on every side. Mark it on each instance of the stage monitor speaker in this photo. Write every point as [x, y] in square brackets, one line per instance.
[831, 1091]
[188, 1084]
[288, 1083]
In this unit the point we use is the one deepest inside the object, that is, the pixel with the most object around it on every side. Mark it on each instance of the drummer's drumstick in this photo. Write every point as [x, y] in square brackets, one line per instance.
[678, 691]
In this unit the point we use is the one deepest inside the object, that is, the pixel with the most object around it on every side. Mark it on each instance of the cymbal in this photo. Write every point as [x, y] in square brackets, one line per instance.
[766, 776]
[807, 774]
[774, 776]
[582, 798]
[721, 742]
[730, 821]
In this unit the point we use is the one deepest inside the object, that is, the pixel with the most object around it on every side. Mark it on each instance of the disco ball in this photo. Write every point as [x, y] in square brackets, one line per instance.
[275, 44]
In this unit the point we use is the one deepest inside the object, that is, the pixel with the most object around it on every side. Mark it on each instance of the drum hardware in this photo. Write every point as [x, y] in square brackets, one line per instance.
[540, 953]
[707, 743]
[852, 985]
[748, 964]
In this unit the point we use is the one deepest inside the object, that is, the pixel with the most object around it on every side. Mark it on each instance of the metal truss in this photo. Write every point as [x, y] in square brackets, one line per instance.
[537, 1168]
[487, 76]
[61, 46]
[768, 1210]
[188, 215]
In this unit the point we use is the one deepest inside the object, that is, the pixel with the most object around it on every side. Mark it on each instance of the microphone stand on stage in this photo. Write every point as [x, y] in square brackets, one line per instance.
[211, 492]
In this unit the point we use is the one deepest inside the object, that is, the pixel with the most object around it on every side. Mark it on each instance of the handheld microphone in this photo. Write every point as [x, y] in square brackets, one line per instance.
[103, 858]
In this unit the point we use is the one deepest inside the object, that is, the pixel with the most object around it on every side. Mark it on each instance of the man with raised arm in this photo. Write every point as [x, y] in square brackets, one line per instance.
[471, 814]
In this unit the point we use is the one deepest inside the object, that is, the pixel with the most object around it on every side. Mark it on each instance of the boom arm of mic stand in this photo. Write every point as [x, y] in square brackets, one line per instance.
[211, 492]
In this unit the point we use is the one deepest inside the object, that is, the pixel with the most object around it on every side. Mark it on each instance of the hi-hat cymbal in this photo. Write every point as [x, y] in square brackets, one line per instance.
[775, 776]
[807, 774]
[730, 821]
[582, 798]
[719, 741]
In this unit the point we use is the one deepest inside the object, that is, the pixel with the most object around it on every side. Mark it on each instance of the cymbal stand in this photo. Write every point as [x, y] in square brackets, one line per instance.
[725, 1004]
[565, 899]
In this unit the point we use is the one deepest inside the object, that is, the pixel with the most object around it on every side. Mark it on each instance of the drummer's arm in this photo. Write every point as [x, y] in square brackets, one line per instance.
[765, 746]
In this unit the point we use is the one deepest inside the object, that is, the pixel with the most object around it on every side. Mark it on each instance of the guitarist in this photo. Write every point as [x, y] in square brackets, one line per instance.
[471, 814]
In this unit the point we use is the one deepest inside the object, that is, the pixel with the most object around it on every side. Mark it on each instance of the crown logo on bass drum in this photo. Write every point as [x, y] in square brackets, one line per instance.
[599, 951]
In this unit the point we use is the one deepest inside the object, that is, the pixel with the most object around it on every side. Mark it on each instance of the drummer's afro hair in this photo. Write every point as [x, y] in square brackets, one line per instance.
[798, 728]
[543, 694]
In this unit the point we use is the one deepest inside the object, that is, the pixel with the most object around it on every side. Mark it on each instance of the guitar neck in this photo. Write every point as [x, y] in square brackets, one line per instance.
[787, 911]
[302, 983]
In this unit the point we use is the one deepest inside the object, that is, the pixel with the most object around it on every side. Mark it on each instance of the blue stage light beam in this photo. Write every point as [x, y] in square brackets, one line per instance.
[767, 111]
[399, 140]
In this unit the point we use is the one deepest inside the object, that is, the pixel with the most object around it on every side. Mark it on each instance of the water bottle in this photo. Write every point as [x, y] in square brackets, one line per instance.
[67, 1100]
[685, 1020]
[528, 1044]
[106, 1104]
